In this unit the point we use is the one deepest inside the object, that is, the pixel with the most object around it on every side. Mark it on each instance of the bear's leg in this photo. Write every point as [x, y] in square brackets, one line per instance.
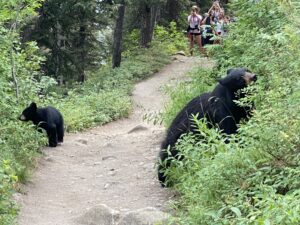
[163, 154]
[165, 163]
[60, 133]
[52, 135]
[228, 125]
[167, 147]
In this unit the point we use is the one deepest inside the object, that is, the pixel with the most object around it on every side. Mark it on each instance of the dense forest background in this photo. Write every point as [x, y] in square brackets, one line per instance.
[76, 37]
[83, 54]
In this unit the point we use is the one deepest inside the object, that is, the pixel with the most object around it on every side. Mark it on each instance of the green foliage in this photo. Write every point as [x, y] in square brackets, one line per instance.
[131, 43]
[19, 65]
[7, 181]
[254, 179]
[67, 33]
[99, 108]
[173, 40]
[105, 96]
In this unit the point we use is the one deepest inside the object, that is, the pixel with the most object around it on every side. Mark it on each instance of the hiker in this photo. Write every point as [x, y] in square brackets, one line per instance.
[194, 34]
[207, 33]
[215, 11]
[219, 28]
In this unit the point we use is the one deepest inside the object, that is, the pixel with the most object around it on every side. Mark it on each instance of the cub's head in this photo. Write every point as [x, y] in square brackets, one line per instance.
[238, 78]
[29, 113]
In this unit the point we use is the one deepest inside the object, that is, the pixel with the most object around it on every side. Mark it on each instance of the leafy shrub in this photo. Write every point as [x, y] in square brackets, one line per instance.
[173, 41]
[99, 108]
[19, 67]
[254, 179]
[7, 181]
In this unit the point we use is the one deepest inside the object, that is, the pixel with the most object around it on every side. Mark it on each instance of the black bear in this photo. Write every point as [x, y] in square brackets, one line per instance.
[218, 107]
[49, 119]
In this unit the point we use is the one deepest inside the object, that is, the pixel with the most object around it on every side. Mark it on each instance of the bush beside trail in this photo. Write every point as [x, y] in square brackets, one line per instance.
[254, 179]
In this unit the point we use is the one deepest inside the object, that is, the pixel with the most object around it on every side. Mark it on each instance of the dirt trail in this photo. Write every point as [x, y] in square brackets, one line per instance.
[113, 164]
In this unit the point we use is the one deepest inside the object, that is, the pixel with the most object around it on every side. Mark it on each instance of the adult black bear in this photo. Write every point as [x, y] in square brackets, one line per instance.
[49, 119]
[218, 107]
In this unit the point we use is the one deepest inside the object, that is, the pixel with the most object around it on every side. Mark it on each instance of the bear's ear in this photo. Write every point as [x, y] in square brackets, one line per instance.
[229, 71]
[33, 106]
[225, 81]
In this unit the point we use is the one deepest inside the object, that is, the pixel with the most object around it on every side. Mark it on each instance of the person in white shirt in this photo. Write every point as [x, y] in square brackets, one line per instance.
[215, 11]
[194, 34]
[219, 28]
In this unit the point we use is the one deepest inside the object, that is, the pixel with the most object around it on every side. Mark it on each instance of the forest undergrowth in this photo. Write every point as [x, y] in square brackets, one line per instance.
[254, 179]
[102, 98]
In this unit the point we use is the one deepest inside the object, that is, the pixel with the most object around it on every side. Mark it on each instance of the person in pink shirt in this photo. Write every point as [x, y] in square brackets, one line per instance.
[194, 34]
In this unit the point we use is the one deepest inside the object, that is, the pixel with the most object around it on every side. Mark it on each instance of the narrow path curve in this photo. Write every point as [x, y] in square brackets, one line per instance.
[112, 165]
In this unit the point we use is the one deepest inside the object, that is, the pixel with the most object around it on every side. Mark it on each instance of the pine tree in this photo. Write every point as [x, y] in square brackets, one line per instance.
[67, 32]
[118, 33]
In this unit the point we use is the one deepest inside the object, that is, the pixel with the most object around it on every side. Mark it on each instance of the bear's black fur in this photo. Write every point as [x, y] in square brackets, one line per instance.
[49, 119]
[218, 107]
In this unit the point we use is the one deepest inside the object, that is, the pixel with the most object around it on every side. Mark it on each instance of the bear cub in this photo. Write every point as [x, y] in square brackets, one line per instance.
[217, 107]
[49, 119]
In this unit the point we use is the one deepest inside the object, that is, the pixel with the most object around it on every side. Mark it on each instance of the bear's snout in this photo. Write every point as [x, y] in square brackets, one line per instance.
[254, 77]
[22, 117]
[250, 77]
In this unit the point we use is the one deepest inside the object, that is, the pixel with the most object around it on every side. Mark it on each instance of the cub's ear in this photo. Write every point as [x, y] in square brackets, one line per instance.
[33, 106]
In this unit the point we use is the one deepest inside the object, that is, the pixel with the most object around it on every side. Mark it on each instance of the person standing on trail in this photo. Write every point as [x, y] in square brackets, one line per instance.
[219, 28]
[215, 11]
[194, 34]
[207, 32]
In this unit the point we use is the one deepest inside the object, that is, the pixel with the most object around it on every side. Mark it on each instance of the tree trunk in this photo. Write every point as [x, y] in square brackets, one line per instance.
[13, 29]
[118, 35]
[56, 53]
[146, 35]
[82, 56]
[149, 16]
[173, 10]
[154, 14]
